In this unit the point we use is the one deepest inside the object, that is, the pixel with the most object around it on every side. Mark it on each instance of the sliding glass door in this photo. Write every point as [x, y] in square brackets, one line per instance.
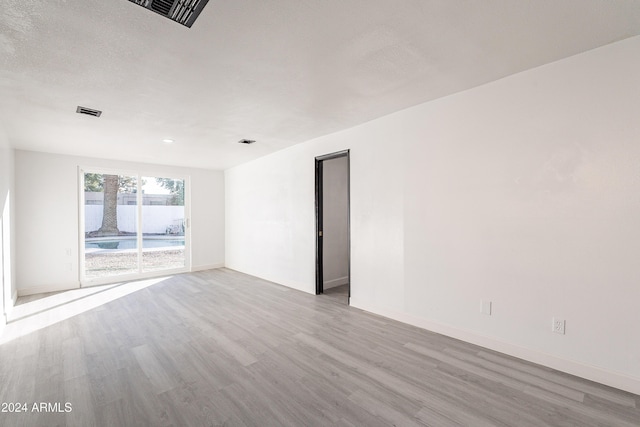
[133, 226]
[110, 225]
[163, 223]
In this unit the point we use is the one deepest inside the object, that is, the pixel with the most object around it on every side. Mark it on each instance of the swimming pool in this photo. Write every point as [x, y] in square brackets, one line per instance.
[129, 243]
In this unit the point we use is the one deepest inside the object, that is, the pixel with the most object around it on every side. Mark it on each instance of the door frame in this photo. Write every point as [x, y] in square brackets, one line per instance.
[319, 217]
[83, 280]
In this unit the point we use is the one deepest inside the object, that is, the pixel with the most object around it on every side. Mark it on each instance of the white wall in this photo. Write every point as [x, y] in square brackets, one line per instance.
[335, 223]
[7, 262]
[47, 216]
[270, 216]
[523, 192]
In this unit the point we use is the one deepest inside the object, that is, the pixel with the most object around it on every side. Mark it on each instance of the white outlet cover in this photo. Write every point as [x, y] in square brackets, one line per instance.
[558, 325]
[485, 307]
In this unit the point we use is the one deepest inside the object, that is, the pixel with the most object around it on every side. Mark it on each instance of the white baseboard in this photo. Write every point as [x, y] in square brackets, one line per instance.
[327, 284]
[600, 375]
[206, 267]
[46, 289]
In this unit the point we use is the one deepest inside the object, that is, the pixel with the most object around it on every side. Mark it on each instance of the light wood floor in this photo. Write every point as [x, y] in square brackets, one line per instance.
[339, 294]
[222, 348]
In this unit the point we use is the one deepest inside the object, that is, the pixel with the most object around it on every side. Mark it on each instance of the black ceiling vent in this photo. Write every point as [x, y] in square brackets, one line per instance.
[183, 12]
[88, 111]
[247, 141]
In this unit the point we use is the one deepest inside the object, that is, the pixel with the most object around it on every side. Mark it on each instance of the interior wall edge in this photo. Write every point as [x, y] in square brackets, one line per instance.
[593, 373]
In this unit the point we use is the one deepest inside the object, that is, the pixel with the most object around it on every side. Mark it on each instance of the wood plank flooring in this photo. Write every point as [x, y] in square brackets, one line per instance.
[220, 348]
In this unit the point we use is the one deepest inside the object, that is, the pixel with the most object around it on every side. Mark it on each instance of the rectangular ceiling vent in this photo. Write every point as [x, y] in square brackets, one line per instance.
[88, 111]
[183, 12]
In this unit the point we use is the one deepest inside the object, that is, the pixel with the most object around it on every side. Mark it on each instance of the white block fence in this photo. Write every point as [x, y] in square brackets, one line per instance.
[155, 219]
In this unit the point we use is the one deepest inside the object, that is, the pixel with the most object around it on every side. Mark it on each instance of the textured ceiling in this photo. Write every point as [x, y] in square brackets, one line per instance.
[278, 71]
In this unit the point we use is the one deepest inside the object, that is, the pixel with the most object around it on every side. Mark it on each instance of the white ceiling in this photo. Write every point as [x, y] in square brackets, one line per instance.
[278, 71]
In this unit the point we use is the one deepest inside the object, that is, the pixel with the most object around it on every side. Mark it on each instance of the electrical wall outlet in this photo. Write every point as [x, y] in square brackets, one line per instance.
[558, 325]
[485, 307]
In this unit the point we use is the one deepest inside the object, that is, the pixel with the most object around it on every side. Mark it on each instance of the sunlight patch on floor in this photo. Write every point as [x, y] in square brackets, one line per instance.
[38, 314]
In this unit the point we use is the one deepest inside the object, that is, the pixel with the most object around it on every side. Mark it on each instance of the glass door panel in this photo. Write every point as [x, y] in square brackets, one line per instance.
[163, 223]
[110, 225]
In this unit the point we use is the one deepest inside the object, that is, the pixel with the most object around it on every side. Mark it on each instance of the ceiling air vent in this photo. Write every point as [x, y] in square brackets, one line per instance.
[163, 7]
[88, 111]
[183, 12]
[247, 141]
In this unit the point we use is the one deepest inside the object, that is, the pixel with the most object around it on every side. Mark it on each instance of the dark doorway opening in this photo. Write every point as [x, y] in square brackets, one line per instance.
[333, 244]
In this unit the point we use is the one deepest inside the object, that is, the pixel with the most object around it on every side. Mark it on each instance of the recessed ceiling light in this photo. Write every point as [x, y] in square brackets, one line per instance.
[168, 141]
